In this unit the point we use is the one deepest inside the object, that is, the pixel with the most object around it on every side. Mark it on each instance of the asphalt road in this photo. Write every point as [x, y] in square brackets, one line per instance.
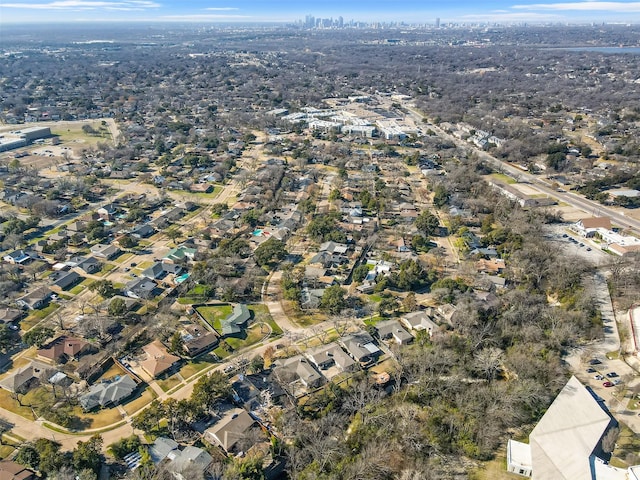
[588, 206]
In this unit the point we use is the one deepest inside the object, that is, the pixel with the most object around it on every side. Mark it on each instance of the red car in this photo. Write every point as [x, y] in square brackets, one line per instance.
[607, 384]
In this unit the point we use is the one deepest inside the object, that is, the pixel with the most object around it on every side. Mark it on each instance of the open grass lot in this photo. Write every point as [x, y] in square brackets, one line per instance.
[6, 451]
[196, 366]
[496, 469]
[37, 316]
[254, 334]
[214, 314]
[168, 383]
[100, 418]
[82, 286]
[300, 317]
[142, 399]
[198, 294]
[72, 132]
[503, 178]
[12, 405]
[106, 269]
[261, 314]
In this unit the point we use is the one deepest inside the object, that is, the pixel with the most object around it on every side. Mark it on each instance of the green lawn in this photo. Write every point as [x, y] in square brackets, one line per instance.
[168, 383]
[195, 366]
[504, 178]
[254, 335]
[81, 286]
[214, 314]
[261, 314]
[46, 311]
[6, 451]
[106, 268]
[198, 294]
[145, 398]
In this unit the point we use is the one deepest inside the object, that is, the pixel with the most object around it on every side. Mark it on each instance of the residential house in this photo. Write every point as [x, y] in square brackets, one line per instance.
[23, 379]
[334, 248]
[10, 315]
[108, 212]
[180, 254]
[566, 443]
[588, 227]
[87, 264]
[141, 288]
[64, 348]
[234, 432]
[234, 323]
[160, 449]
[491, 266]
[197, 340]
[310, 297]
[297, 369]
[108, 393]
[10, 470]
[419, 321]
[192, 461]
[327, 356]
[158, 360]
[391, 330]
[65, 280]
[160, 270]
[77, 226]
[143, 231]
[18, 257]
[361, 347]
[105, 251]
[36, 299]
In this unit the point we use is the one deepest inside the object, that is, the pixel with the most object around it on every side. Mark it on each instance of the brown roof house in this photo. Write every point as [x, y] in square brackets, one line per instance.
[234, 432]
[63, 349]
[587, 227]
[14, 471]
[158, 360]
[197, 340]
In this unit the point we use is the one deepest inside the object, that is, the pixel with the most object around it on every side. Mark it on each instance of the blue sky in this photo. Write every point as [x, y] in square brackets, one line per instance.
[410, 11]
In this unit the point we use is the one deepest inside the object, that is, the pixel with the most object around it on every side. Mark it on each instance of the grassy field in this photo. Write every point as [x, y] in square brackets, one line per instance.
[496, 469]
[503, 178]
[168, 383]
[254, 333]
[139, 401]
[6, 451]
[106, 268]
[214, 314]
[261, 314]
[196, 366]
[72, 132]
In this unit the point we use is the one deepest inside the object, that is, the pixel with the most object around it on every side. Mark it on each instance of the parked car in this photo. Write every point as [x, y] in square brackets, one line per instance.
[598, 377]
[612, 375]
[591, 370]
[594, 361]
[607, 384]
[617, 381]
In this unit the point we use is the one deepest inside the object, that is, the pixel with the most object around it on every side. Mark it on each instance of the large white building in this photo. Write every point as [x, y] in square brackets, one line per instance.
[567, 442]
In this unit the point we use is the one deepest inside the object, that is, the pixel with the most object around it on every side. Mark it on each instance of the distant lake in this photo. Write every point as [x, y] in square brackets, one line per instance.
[629, 50]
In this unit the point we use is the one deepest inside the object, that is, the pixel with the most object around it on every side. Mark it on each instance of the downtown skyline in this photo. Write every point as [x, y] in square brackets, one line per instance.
[255, 11]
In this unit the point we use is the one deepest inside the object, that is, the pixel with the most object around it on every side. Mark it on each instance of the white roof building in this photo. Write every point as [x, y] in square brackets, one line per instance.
[567, 442]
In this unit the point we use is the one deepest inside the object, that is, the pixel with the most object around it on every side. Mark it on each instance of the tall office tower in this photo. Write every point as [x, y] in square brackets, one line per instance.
[437, 23]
